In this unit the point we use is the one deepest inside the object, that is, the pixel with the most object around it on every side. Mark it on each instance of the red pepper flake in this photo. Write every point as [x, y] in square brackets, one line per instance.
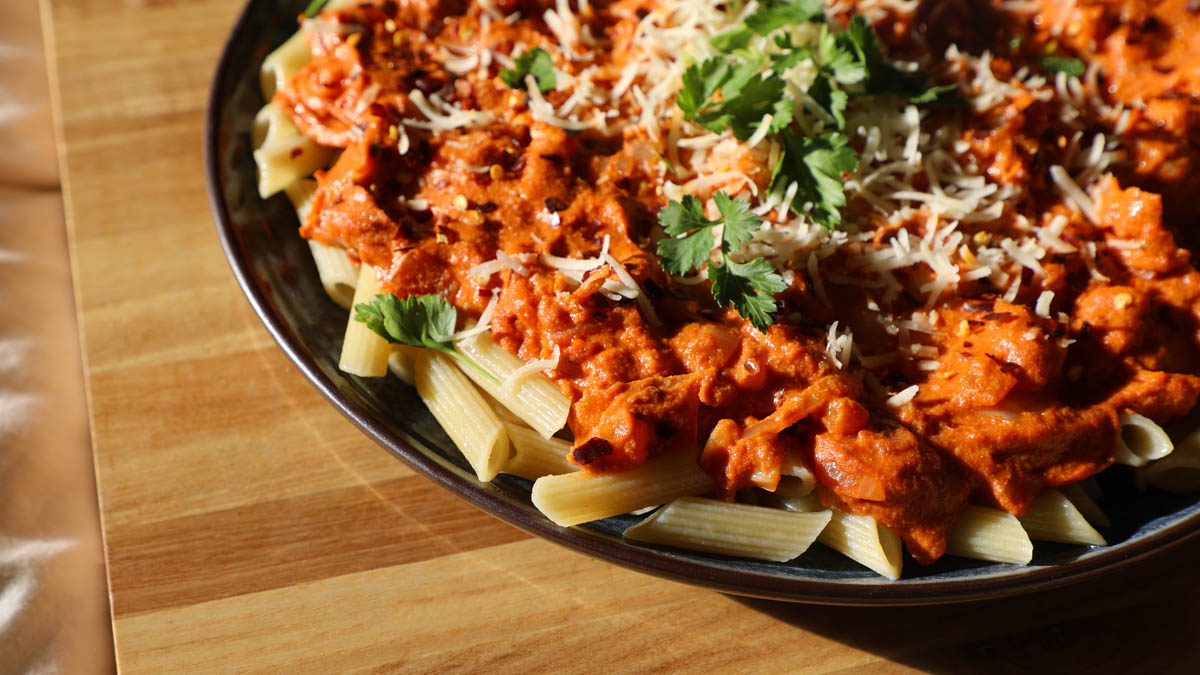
[296, 152]
[592, 449]
[1005, 366]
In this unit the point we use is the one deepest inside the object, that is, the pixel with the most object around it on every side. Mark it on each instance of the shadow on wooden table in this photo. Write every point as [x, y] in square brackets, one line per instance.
[1144, 619]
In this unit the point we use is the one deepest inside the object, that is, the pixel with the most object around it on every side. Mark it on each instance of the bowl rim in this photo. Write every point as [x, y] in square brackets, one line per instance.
[677, 566]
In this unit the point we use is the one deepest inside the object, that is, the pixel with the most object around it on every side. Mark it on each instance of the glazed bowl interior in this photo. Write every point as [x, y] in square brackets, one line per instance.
[275, 270]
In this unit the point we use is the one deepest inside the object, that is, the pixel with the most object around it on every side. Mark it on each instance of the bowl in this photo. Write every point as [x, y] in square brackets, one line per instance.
[275, 270]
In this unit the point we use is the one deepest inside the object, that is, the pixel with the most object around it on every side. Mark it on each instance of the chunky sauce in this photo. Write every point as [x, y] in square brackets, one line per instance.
[1010, 399]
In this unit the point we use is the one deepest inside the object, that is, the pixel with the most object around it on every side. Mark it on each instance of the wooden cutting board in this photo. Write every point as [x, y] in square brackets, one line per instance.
[249, 527]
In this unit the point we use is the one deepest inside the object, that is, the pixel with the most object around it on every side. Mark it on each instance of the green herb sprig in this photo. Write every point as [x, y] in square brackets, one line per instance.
[1062, 64]
[746, 286]
[424, 321]
[734, 90]
[536, 62]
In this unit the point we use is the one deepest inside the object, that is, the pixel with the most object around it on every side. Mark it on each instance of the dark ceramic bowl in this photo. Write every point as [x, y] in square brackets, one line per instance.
[276, 272]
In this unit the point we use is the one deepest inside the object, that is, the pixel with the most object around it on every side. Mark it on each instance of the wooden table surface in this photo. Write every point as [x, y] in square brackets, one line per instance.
[249, 527]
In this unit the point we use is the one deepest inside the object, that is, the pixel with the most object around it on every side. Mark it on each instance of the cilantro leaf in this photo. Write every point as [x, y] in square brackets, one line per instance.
[425, 321]
[746, 95]
[841, 57]
[830, 99]
[748, 288]
[745, 286]
[816, 165]
[776, 14]
[1061, 64]
[682, 255]
[740, 224]
[536, 62]
[770, 16]
[680, 218]
[314, 8]
[883, 77]
[692, 251]
[700, 83]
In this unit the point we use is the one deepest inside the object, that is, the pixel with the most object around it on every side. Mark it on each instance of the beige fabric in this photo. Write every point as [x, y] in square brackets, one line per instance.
[53, 594]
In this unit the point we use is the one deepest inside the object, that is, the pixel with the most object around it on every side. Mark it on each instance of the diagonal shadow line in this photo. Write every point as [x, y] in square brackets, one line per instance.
[1144, 619]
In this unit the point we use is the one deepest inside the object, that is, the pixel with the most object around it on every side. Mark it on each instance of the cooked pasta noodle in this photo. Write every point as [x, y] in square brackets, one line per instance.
[364, 353]
[990, 534]
[574, 498]
[461, 411]
[731, 529]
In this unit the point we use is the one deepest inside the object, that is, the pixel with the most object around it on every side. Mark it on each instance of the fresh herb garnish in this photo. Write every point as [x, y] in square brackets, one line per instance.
[536, 62]
[816, 164]
[746, 286]
[1062, 64]
[735, 90]
[314, 8]
[771, 15]
[745, 96]
[424, 321]
[884, 78]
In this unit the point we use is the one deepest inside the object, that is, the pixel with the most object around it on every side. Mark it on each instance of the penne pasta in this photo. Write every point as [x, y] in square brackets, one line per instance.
[534, 456]
[1141, 440]
[1179, 471]
[536, 399]
[283, 155]
[1086, 504]
[339, 275]
[461, 411]
[574, 498]
[400, 364]
[282, 63]
[859, 538]
[731, 529]
[363, 352]
[864, 541]
[301, 194]
[1055, 518]
[985, 533]
[797, 479]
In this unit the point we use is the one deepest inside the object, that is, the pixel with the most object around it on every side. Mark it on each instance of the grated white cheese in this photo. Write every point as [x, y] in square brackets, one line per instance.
[903, 396]
[1074, 194]
[1042, 308]
[441, 115]
[484, 324]
[511, 383]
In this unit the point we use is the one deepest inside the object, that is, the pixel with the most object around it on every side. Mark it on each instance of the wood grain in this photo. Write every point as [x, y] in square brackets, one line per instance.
[250, 528]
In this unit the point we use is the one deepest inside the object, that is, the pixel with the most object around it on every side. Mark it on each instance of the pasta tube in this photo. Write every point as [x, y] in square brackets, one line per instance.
[990, 534]
[574, 498]
[363, 352]
[731, 529]
[536, 399]
[1141, 440]
[464, 415]
[1054, 518]
[534, 456]
[283, 155]
[1179, 471]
